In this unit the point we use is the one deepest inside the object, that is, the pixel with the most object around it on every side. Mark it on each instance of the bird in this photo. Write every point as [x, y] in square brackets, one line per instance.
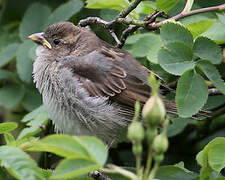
[88, 86]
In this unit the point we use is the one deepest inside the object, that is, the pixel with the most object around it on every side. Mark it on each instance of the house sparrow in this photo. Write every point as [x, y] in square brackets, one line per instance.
[88, 86]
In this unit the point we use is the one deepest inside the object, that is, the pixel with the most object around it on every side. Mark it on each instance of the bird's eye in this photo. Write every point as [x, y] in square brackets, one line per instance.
[56, 41]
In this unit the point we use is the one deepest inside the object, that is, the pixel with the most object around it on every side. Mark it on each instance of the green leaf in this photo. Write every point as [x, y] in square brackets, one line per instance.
[62, 145]
[95, 147]
[205, 48]
[214, 102]
[148, 45]
[24, 63]
[164, 5]
[34, 126]
[174, 173]
[177, 126]
[9, 138]
[33, 114]
[212, 73]
[8, 53]
[5, 74]
[146, 7]
[221, 17]
[33, 20]
[216, 33]
[171, 32]
[7, 127]
[216, 157]
[11, 95]
[74, 167]
[107, 4]
[32, 99]
[19, 164]
[197, 28]
[64, 12]
[191, 94]
[176, 58]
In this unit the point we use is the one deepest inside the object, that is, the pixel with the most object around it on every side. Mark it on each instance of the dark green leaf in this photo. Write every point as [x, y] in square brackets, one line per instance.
[24, 61]
[148, 45]
[33, 20]
[19, 163]
[177, 126]
[212, 73]
[191, 94]
[11, 95]
[108, 14]
[32, 99]
[214, 102]
[65, 11]
[73, 167]
[197, 28]
[176, 58]
[8, 53]
[4, 74]
[7, 127]
[207, 49]
[165, 5]
[107, 4]
[171, 32]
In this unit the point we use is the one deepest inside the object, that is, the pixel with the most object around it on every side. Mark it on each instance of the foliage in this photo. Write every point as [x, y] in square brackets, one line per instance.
[187, 54]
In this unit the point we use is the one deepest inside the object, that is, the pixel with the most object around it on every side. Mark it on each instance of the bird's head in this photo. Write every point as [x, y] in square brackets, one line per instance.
[62, 39]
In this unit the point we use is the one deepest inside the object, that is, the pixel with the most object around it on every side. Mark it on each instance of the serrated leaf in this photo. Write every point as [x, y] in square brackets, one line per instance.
[64, 12]
[191, 94]
[24, 63]
[171, 32]
[205, 48]
[8, 53]
[146, 7]
[221, 17]
[11, 95]
[107, 4]
[74, 167]
[197, 28]
[216, 33]
[5, 74]
[19, 164]
[148, 45]
[213, 74]
[33, 20]
[7, 127]
[165, 5]
[34, 126]
[176, 58]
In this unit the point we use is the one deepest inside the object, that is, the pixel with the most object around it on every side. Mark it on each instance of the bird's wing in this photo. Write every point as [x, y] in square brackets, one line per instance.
[116, 75]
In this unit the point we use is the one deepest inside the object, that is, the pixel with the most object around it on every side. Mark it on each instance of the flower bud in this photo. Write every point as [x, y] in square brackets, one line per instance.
[160, 143]
[151, 133]
[154, 110]
[135, 131]
[158, 157]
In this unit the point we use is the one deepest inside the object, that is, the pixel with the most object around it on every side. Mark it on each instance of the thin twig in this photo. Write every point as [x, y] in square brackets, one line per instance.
[130, 8]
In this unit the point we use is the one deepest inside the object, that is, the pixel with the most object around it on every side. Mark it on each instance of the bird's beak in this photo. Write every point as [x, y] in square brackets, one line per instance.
[39, 39]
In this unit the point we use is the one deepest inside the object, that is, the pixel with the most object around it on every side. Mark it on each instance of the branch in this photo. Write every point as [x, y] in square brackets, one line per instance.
[182, 15]
[130, 8]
